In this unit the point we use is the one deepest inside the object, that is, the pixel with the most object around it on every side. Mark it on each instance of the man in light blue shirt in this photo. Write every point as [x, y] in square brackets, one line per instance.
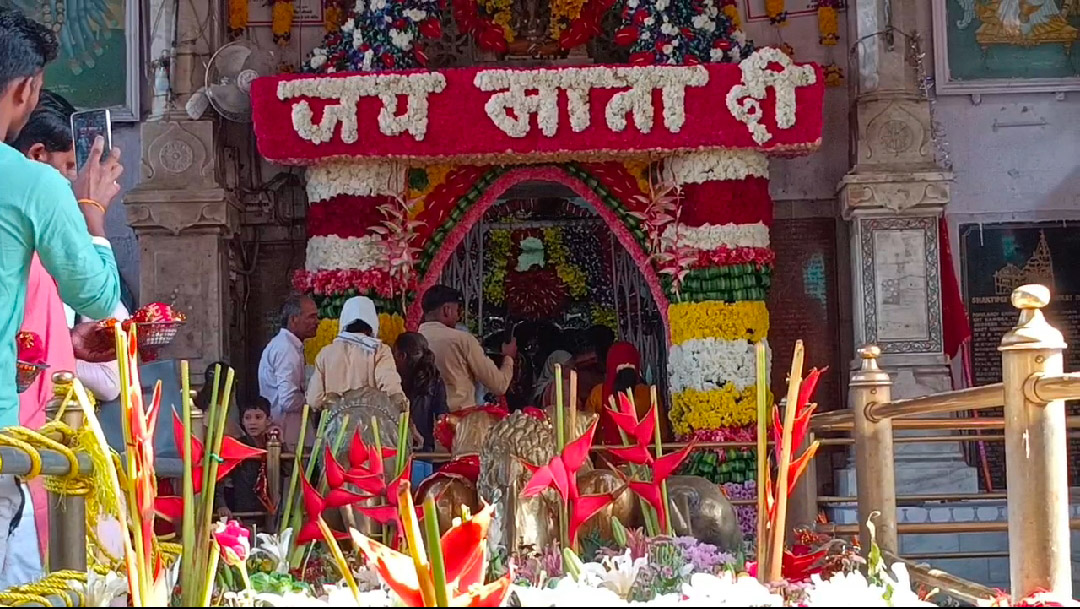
[40, 212]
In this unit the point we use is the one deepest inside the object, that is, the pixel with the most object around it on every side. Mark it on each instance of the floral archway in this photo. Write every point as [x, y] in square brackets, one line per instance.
[617, 216]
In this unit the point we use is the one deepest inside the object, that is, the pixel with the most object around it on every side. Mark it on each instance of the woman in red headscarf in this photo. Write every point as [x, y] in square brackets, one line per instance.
[623, 375]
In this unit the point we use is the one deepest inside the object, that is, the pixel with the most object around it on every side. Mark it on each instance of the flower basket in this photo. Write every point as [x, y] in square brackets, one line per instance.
[26, 373]
[157, 334]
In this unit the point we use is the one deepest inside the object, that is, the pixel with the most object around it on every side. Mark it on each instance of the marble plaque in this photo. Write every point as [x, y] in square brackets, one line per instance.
[900, 285]
[899, 263]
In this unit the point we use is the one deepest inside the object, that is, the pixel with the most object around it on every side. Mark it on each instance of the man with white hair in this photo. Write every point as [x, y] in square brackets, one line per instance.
[281, 367]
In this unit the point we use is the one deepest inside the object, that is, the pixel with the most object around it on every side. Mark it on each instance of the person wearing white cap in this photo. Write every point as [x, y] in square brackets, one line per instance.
[356, 358]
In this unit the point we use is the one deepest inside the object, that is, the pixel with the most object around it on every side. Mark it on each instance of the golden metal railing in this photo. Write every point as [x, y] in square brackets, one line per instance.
[1032, 391]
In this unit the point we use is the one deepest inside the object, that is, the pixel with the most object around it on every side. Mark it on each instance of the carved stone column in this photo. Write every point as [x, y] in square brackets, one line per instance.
[894, 197]
[184, 220]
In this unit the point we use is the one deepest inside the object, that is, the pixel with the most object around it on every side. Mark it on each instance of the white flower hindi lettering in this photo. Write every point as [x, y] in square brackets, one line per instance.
[744, 101]
[520, 94]
[348, 91]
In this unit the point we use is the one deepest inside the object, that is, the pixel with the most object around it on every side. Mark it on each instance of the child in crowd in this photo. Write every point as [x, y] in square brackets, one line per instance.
[246, 490]
[423, 385]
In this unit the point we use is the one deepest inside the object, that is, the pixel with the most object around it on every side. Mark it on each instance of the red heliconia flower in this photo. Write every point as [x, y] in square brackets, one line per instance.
[233, 452]
[642, 433]
[642, 58]
[464, 558]
[314, 505]
[561, 474]
[804, 410]
[796, 567]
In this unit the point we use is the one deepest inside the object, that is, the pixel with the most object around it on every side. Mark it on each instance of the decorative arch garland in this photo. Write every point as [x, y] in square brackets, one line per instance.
[470, 207]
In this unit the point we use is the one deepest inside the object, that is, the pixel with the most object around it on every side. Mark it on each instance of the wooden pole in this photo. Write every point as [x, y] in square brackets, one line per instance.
[779, 532]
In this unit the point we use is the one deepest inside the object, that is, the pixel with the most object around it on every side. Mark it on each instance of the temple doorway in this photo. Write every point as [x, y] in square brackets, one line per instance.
[542, 264]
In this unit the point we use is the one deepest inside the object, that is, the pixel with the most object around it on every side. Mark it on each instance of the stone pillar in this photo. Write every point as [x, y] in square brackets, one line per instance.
[894, 197]
[182, 215]
[184, 221]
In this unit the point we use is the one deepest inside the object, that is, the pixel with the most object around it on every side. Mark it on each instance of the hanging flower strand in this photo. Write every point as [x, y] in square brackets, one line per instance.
[777, 12]
[238, 16]
[283, 12]
[828, 30]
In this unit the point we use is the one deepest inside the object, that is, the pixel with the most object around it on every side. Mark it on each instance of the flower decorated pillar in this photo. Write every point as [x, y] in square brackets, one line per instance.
[352, 235]
[717, 312]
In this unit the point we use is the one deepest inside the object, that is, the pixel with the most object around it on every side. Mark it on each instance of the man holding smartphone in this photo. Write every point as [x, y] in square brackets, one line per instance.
[40, 213]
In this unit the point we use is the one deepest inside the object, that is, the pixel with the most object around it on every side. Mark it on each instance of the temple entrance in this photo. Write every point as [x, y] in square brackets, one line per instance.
[543, 265]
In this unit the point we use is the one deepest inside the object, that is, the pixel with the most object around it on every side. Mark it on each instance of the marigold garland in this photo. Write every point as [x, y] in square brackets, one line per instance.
[562, 13]
[391, 326]
[746, 320]
[238, 16]
[283, 12]
[333, 16]
[501, 15]
[777, 12]
[731, 9]
[828, 30]
[570, 274]
[692, 410]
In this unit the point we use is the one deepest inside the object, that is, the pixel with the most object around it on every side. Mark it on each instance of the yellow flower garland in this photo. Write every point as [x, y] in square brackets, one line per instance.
[571, 275]
[333, 18]
[732, 12]
[391, 326]
[500, 14]
[436, 175]
[495, 282]
[776, 11]
[748, 319]
[562, 12]
[640, 170]
[827, 26]
[282, 12]
[693, 410]
[238, 15]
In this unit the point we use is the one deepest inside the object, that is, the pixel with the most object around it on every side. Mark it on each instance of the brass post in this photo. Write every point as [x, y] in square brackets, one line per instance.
[1035, 454]
[803, 510]
[273, 475]
[875, 478]
[67, 513]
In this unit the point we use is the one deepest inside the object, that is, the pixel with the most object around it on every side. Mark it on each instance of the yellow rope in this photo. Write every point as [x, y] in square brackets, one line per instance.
[56, 584]
[26, 447]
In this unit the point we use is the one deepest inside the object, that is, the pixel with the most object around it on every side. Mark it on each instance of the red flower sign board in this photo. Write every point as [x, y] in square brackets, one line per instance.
[478, 115]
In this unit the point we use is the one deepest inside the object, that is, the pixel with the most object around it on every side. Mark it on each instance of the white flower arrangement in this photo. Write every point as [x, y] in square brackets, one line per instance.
[716, 165]
[329, 253]
[357, 178]
[714, 236]
[707, 364]
[743, 101]
[512, 89]
[348, 91]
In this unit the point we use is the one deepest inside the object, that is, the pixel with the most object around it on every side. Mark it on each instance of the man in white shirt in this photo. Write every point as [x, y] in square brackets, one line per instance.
[281, 367]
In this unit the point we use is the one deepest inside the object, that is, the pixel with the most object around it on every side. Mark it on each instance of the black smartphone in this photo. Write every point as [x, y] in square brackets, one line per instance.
[87, 125]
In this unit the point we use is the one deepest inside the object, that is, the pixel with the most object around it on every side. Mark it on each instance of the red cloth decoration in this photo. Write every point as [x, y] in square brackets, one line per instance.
[955, 328]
